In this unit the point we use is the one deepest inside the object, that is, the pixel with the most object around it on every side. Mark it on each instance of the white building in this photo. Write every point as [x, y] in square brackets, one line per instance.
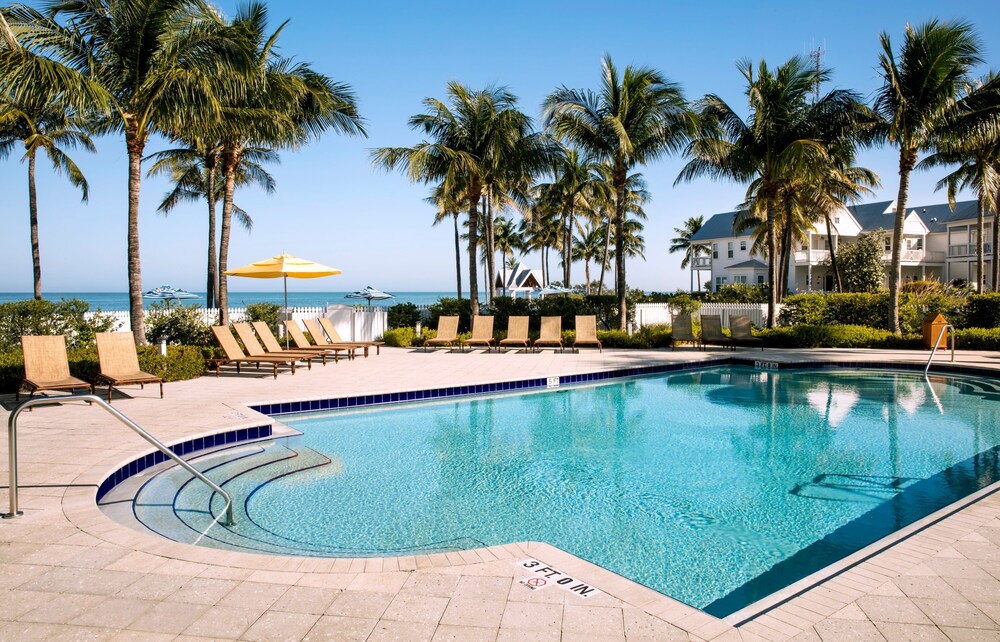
[939, 244]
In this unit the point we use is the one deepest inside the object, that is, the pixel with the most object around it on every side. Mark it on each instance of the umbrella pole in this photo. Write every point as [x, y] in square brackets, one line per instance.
[285, 311]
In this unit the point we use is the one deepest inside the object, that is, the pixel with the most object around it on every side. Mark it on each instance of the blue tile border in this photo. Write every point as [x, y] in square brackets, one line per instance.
[183, 448]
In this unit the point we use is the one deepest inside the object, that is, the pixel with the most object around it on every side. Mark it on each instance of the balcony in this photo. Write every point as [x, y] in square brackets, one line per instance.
[701, 263]
[969, 249]
[812, 257]
[821, 257]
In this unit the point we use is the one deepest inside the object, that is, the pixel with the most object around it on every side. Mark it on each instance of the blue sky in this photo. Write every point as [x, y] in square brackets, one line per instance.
[332, 207]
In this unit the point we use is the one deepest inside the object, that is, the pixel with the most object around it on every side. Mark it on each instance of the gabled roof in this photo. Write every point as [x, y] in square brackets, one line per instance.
[937, 217]
[752, 263]
[520, 278]
[718, 226]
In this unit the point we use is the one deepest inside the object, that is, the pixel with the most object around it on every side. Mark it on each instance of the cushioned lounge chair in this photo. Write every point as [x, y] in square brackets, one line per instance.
[331, 331]
[319, 338]
[272, 346]
[447, 333]
[46, 366]
[255, 349]
[517, 333]
[741, 331]
[235, 354]
[586, 333]
[482, 333]
[301, 341]
[711, 332]
[120, 363]
[551, 334]
[681, 331]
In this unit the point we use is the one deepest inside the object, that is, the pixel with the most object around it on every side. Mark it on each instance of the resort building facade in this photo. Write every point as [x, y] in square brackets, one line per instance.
[939, 243]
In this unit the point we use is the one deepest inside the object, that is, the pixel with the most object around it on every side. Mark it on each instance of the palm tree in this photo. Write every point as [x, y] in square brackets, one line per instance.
[149, 59]
[6, 35]
[193, 171]
[588, 247]
[508, 239]
[269, 102]
[541, 230]
[449, 204]
[634, 118]
[48, 129]
[682, 243]
[920, 86]
[475, 140]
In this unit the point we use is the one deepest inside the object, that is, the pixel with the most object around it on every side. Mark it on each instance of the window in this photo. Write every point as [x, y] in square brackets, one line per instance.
[741, 278]
[729, 250]
[715, 250]
[919, 244]
[760, 279]
[887, 243]
[836, 220]
[719, 282]
[743, 246]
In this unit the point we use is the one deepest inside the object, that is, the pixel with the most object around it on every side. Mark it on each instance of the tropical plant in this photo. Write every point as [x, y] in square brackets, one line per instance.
[920, 87]
[862, 263]
[588, 247]
[682, 242]
[508, 240]
[634, 118]
[541, 230]
[48, 129]
[477, 139]
[449, 204]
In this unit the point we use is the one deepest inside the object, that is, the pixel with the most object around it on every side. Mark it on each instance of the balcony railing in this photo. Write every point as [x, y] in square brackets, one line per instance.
[811, 257]
[701, 263]
[818, 257]
[968, 249]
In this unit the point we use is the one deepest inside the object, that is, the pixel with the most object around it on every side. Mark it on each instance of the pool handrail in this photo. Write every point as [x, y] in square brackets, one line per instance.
[94, 399]
[944, 328]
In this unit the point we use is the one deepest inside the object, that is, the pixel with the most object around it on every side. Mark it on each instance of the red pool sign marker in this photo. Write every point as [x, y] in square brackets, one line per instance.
[542, 576]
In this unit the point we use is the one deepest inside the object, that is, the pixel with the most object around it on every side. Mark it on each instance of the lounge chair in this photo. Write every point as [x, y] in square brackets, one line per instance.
[120, 363]
[681, 331]
[235, 354]
[319, 338]
[46, 366]
[254, 349]
[447, 333]
[331, 332]
[551, 334]
[517, 333]
[272, 346]
[711, 332]
[482, 333]
[301, 341]
[586, 333]
[740, 329]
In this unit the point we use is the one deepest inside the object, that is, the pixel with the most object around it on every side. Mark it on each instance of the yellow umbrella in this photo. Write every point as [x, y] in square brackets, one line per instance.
[284, 266]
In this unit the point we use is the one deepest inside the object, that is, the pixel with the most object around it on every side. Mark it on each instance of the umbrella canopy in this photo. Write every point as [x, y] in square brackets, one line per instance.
[166, 292]
[369, 293]
[551, 289]
[283, 266]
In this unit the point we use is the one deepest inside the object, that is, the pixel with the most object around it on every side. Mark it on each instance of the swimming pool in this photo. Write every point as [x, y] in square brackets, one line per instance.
[715, 486]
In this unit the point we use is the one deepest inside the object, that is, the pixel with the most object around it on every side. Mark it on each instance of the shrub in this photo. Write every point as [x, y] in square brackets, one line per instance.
[922, 287]
[269, 313]
[978, 339]
[835, 336]
[406, 337]
[860, 263]
[803, 309]
[739, 293]
[863, 308]
[983, 310]
[504, 307]
[403, 315]
[447, 307]
[39, 317]
[684, 304]
[171, 322]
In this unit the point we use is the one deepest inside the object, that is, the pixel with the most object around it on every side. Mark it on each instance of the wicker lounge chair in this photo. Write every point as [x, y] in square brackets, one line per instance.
[586, 333]
[482, 333]
[447, 333]
[319, 338]
[711, 332]
[301, 341]
[740, 329]
[254, 349]
[272, 346]
[517, 333]
[681, 331]
[331, 332]
[551, 334]
[46, 366]
[234, 354]
[120, 363]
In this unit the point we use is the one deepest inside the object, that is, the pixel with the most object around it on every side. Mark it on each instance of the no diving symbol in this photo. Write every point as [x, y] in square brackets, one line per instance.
[535, 582]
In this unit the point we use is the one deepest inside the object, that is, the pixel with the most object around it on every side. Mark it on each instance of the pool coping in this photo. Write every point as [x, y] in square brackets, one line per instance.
[80, 506]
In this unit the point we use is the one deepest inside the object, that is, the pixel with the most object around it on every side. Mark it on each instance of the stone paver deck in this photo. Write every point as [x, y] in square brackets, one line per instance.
[70, 573]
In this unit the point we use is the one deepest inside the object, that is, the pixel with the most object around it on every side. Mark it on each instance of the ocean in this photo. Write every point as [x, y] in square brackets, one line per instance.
[110, 301]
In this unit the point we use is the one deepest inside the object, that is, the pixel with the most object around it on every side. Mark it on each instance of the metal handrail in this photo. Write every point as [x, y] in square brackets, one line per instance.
[49, 401]
[941, 332]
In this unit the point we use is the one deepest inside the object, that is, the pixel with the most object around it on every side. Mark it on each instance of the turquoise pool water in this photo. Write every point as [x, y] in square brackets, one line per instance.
[715, 487]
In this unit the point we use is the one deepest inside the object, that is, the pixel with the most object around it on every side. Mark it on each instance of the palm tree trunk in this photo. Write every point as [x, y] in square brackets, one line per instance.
[491, 248]
[36, 261]
[473, 196]
[135, 143]
[212, 285]
[772, 258]
[230, 160]
[980, 245]
[907, 159]
[604, 259]
[620, 284]
[586, 275]
[458, 258]
[833, 254]
[786, 254]
[567, 246]
[995, 266]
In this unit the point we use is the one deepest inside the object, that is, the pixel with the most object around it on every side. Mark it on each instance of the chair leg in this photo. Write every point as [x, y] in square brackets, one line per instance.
[109, 392]
[161, 390]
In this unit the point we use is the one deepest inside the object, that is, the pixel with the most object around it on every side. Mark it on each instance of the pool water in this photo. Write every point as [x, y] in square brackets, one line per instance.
[715, 487]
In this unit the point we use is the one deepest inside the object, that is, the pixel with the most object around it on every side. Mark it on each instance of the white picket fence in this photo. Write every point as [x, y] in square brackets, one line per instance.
[353, 323]
[659, 313]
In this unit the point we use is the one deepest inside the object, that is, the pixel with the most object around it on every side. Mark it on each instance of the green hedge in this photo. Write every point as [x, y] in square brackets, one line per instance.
[977, 339]
[835, 336]
[38, 317]
[983, 310]
[403, 315]
[181, 362]
[872, 309]
[406, 337]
